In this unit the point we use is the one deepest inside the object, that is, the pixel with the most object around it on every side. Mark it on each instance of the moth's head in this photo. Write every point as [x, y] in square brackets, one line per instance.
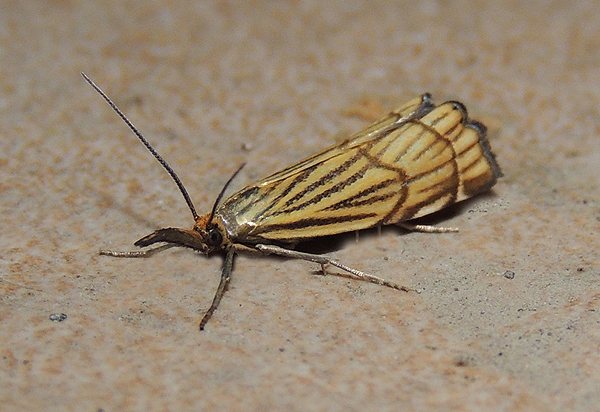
[212, 232]
[205, 236]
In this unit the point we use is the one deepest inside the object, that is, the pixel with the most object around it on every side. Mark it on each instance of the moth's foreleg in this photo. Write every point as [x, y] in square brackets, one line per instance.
[324, 260]
[136, 253]
[225, 277]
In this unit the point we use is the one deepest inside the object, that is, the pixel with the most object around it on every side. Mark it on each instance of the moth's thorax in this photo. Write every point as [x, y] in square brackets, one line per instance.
[234, 226]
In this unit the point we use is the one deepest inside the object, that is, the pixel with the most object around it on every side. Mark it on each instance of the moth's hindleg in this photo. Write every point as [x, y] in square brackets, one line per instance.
[426, 228]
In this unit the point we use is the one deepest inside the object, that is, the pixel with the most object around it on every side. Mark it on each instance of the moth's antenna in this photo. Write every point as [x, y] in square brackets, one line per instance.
[158, 157]
[214, 209]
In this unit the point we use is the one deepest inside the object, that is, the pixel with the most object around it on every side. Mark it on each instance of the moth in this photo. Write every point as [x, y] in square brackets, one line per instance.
[418, 159]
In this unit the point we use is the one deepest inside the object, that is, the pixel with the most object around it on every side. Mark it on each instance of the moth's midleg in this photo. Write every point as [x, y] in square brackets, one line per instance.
[325, 260]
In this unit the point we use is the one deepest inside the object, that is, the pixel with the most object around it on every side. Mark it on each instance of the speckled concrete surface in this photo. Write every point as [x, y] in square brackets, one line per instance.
[215, 84]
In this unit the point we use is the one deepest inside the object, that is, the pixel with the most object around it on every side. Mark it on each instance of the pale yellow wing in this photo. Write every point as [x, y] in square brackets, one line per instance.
[412, 108]
[415, 161]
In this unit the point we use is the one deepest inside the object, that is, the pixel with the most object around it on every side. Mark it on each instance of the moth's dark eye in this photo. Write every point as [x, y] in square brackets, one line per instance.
[215, 238]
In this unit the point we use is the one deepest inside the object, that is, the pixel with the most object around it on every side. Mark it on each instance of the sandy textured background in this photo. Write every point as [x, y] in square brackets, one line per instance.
[214, 84]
